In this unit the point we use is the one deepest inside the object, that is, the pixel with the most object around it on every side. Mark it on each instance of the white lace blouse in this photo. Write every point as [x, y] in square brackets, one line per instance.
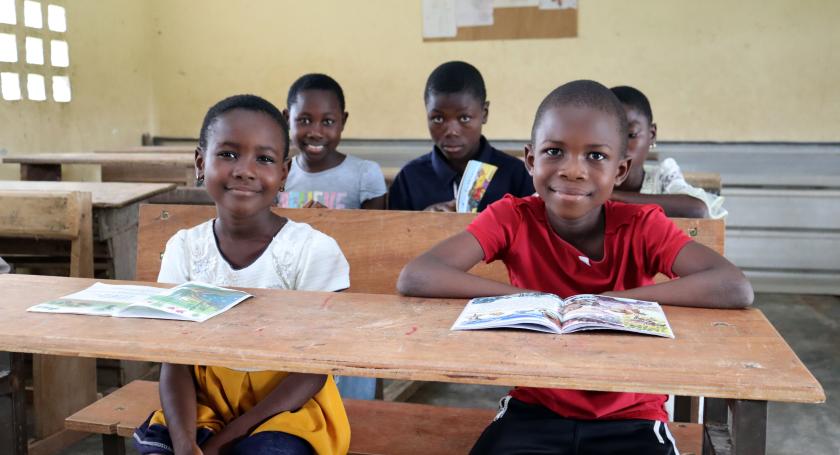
[298, 257]
[665, 177]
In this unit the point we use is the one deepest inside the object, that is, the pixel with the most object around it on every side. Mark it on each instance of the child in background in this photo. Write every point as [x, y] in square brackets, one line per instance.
[456, 109]
[660, 183]
[242, 159]
[321, 176]
[572, 239]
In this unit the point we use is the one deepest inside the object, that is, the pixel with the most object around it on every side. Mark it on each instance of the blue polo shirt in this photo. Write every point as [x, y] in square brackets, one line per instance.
[429, 179]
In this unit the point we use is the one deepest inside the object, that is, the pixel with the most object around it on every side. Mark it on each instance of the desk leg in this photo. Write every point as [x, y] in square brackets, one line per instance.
[686, 409]
[118, 227]
[735, 427]
[748, 426]
[40, 172]
[12, 404]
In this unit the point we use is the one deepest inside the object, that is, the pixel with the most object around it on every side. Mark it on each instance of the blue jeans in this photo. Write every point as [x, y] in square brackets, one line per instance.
[356, 387]
[150, 439]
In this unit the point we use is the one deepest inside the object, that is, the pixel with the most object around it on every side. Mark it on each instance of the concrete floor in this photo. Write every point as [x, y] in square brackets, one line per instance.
[810, 324]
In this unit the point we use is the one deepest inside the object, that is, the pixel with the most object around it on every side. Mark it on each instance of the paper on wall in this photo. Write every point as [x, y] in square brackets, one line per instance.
[439, 19]
[557, 4]
[515, 3]
[472, 13]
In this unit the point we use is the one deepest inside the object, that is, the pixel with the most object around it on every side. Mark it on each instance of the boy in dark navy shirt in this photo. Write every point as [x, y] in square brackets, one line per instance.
[456, 108]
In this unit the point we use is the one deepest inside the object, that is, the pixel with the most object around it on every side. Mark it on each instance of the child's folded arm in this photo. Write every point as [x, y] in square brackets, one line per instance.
[177, 395]
[706, 280]
[675, 205]
[442, 272]
[290, 394]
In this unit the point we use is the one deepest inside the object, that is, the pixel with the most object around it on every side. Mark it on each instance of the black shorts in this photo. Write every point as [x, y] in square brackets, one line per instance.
[522, 428]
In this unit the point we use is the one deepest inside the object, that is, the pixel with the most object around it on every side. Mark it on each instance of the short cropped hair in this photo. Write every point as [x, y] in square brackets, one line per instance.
[456, 77]
[634, 99]
[315, 81]
[249, 103]
[590, 94]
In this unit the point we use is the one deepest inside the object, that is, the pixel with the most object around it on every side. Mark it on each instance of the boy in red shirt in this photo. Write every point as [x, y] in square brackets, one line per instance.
[573, 239]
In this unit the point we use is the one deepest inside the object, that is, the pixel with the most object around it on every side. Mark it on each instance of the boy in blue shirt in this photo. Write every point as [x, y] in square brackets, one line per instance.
[456, 109]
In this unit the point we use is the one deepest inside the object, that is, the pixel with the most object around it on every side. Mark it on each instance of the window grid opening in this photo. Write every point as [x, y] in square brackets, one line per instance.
[8, 12]
[34, 51]
[32, 16]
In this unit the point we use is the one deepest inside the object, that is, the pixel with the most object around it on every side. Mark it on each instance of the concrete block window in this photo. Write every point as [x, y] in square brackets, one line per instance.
[34, 52]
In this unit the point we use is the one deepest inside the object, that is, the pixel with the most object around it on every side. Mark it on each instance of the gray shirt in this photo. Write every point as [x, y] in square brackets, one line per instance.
[345, 186]
[4, 268]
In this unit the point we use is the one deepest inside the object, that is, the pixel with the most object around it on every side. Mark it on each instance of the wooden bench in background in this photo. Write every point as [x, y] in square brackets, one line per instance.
[376, 243]
[61, 385]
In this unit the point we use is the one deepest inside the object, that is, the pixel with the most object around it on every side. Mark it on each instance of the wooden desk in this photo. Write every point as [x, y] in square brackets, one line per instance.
[116, 167]
[708, 181]
[188, 149]
[734, 354]
[115, 209]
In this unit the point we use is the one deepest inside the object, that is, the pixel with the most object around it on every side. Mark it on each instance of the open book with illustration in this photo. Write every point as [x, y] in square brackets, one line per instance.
[190, 301]
[550, 313]
[474, 183]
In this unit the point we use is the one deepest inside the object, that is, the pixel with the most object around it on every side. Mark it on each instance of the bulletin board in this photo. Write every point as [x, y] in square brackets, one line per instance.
[519, 23]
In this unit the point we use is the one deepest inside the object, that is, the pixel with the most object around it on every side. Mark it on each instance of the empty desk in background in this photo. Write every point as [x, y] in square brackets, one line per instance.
[176, 168]
[115, 211]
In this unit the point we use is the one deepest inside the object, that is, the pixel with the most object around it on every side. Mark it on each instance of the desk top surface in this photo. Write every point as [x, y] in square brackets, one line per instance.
[103, 194]
[177, 159]
[716, 353]
[184, 149]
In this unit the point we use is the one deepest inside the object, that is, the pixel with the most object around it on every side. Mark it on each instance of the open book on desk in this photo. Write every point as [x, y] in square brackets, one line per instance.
[190, 301]
[549, 313]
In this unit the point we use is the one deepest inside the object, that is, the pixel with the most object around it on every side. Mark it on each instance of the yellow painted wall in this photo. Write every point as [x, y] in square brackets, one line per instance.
[110, 82]
[758, 70]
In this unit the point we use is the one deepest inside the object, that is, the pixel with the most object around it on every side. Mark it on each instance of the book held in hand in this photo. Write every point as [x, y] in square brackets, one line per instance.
[549, 313]
[474, 183]
[192, 301]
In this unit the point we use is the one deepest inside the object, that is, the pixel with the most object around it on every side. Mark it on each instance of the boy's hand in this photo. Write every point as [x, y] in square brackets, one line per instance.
[448, 206]
[313, 204]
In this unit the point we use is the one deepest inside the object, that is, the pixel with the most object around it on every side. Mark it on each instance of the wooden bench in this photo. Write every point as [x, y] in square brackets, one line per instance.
[411, 428]
[61, 385]
[376, 243]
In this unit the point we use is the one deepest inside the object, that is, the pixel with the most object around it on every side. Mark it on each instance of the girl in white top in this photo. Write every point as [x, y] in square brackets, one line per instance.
[321, 176]
[242, 160]
[661, 183]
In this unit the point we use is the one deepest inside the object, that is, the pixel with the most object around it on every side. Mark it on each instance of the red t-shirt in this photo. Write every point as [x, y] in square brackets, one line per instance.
[639, 242]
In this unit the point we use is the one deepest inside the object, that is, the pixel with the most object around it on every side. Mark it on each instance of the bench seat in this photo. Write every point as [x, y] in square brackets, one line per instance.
[379, 427]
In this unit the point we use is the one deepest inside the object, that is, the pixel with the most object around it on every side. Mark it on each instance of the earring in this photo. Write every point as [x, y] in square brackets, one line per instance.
[282, 189]
[199, 181]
